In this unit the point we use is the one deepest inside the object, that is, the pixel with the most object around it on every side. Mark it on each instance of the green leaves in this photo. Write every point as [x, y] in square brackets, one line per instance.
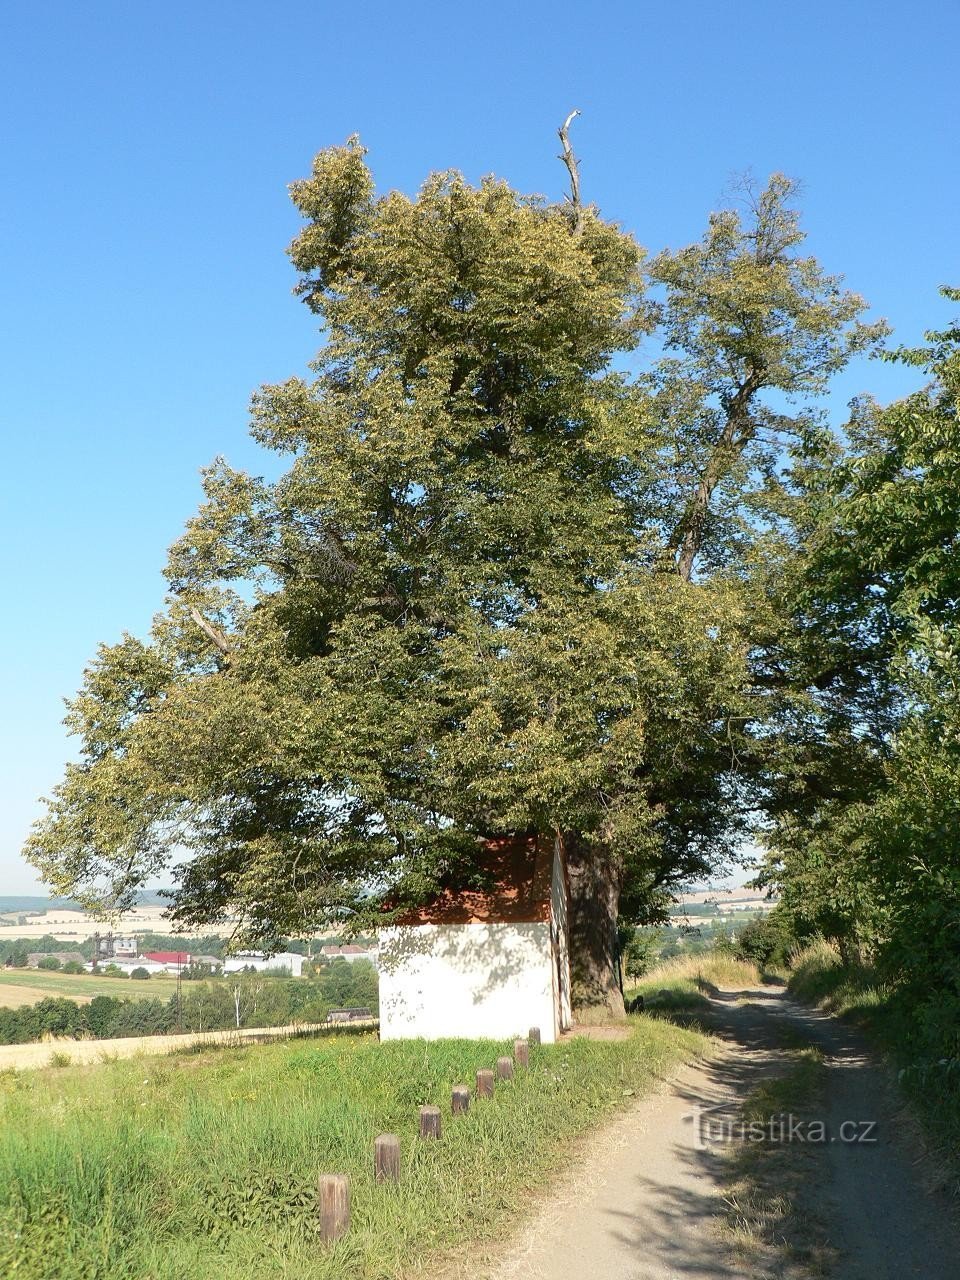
[450, 616]
[880, 869]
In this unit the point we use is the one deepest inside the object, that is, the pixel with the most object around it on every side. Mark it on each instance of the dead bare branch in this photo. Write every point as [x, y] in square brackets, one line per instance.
[213, 634]
[573, 168]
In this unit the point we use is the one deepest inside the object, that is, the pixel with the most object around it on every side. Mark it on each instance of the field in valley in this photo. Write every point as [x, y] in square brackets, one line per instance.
[74, 926]
[27, 986]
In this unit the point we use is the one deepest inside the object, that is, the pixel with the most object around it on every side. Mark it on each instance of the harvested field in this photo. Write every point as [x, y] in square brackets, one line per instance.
[22, 1057]
[12, 996]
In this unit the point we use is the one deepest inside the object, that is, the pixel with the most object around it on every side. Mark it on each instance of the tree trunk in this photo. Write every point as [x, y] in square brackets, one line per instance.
[595, 883]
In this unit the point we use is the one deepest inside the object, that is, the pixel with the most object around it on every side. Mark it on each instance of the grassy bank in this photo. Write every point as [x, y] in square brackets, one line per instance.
[681, 985]
[929, 1075]
[204, 1167]
[818, 976]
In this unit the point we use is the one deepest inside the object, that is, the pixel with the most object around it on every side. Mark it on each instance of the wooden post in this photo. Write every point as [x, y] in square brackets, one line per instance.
[534, 1036]
[386, 1158]
[504, 1068]
[521, 1052]
[333, 1198]
[460, 1099]
[429, 1122]
[484, 1084]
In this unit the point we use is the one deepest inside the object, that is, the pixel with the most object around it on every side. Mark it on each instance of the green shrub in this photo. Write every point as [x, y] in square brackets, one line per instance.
[769, 941]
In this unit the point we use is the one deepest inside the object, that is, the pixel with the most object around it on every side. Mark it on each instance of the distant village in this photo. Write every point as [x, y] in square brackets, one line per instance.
[123, 954]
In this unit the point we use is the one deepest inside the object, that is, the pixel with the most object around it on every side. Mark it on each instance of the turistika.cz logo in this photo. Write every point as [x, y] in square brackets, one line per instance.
[713, 1127]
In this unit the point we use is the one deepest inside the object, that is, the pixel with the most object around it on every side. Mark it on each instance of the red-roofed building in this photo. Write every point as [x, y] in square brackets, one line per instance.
[349, 951]
[487, 960]
[171, 960]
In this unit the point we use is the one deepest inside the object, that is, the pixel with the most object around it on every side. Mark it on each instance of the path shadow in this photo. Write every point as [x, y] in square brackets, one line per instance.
[868, 1191]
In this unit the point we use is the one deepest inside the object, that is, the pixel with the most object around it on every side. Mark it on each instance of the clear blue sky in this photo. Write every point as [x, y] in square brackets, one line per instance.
[144, 216]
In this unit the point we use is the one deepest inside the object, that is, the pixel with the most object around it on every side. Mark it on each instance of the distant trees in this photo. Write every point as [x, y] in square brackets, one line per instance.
[100, 1012]
[14, 951]
[247, 1000]
[53, 1016]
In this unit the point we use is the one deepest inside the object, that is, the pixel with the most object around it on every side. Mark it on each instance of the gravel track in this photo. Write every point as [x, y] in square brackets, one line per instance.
[644, 1198]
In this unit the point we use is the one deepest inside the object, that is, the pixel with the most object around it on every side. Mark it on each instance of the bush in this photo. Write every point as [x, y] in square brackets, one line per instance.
[73, 966]
[48, 962]
[768, 941]
[723, 942]
[140, 973]
[640, 952]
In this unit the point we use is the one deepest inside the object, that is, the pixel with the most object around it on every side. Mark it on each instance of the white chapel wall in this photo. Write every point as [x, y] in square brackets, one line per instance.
[470, 980]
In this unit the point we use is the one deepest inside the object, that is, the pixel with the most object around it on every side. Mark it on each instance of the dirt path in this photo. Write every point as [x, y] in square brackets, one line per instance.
[644, 1201]
[29, 1056]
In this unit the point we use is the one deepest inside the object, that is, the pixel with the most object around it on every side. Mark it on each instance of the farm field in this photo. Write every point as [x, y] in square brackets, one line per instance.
[237, 1137]
[74, 926]
[66, 1052]
[27, 986]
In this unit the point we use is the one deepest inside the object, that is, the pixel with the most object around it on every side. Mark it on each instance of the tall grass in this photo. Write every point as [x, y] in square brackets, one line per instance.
[203, 1167]
[890, 1017]
[819, 976]
[682, 983]
[717, 967]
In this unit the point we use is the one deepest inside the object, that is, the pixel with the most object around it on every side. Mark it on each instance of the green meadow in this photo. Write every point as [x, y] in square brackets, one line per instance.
[20, 986]
[204, 1166]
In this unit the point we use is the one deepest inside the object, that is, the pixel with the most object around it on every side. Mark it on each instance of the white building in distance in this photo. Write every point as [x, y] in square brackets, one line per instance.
[349, 951]
[258, 961]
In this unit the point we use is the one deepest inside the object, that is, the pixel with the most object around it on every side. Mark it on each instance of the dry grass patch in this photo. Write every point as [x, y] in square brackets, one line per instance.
[769, 1221]
[13, 996]
[682, 985]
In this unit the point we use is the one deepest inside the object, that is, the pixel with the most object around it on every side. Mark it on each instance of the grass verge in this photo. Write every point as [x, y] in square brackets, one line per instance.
[680, 986]
[205, 1167]
[929, 1081]
[768, 1222]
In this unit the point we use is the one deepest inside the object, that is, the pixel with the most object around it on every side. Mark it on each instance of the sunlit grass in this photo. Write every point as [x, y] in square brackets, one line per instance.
[819, 976]
[205, 1167]
[683, 983]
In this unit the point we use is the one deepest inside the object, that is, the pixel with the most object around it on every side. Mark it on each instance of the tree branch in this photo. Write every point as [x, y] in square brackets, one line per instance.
[738, 431]
[213, 634]
[573, 168]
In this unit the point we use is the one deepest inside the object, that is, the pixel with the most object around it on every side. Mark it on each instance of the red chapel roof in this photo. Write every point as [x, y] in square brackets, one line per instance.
[517, 873]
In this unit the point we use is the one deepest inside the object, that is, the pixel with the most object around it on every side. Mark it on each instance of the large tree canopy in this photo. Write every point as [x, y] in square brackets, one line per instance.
[874, 862]
[502, 586]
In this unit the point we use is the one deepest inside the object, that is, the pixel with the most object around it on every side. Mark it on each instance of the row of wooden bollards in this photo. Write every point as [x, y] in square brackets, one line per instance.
[333, 1191]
